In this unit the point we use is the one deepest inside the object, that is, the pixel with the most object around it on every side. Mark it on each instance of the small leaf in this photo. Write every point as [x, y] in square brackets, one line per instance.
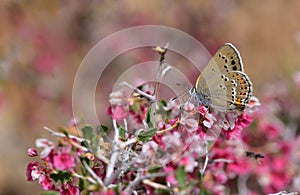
[85, 144]
[149, 117]
[204, 192]
[163, 102]
[181, 176]
[50, 193]
[64, 131]
[82, 184]
[146, 135]
[61, 176]
[155, 169]
[162, 191]
[88, 132]
[122, 132]
[102, 130]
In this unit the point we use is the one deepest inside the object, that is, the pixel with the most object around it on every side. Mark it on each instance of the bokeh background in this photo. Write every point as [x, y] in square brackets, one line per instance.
[42, 43]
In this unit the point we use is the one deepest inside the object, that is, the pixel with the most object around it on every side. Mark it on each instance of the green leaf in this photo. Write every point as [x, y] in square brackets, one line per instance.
[122, 132]
[162, 192]
[50, 193]
[149, 119]
[64, 131]
[102, 130]
[155, 169]
[61, 176]
[85, 144]
[82, 184]
[204, 192]
[88, 132]
[163, 102]
[181, 176]
[147, 134]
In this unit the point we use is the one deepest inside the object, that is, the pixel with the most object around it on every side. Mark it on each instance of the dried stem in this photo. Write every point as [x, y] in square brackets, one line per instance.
[114, 155]
[154, 184]
[52, 132]
[86, 178]
[206, 160]
[94, 175]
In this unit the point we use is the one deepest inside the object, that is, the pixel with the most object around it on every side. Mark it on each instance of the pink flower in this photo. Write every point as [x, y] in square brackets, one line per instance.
[32, 167]
[202, 110]
[244, 120]
[118, 113]
[63, 160]
[188, 162]
[239, 167]
[46, 144]
[32, 152]
[271, 130]
[171, 176]
[190, 124]
[46, 183]
[188, 107]
[69, 189]
[209, 120]
[221, 177]
[235, 133]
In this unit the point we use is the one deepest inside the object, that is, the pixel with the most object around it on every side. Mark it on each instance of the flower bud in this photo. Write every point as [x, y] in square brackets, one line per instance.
[90, 156]
[32, 152]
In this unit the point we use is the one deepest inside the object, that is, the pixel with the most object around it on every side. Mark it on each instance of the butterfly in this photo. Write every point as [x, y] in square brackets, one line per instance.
[223, 84]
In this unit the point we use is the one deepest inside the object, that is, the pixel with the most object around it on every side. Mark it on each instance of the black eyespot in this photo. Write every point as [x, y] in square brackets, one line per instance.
[223, 57]
[226, 61]
[234, 68]
[219, 55]
[226, 79]
[232, 62]
[225, 66]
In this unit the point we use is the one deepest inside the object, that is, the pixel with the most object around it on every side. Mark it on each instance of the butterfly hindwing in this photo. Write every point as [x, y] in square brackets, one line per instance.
[224, 82]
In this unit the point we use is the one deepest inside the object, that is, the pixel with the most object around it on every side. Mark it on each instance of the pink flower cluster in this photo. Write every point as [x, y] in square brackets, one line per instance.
[55, 160]
[187, 149]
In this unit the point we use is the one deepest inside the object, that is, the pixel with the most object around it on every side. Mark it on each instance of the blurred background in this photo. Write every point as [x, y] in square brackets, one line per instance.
[42, 43]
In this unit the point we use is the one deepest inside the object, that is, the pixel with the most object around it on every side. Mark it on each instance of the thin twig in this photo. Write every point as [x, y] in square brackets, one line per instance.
[139, 178]
[94, 175]
[150, 97]
[128, 142]
[114, 155]
[52, 132]
[206, 159]
[168, 129]
[154, 184]
[221, 160]
[134, 183]
[125, 125]
[86, 178]
[162, 52]
[99, 156]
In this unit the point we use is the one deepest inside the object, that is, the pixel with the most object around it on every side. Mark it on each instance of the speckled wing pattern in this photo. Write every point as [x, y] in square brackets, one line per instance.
[223, 83]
